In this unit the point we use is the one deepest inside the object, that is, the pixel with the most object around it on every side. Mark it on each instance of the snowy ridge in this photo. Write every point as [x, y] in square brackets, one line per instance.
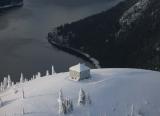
[113, 92]
[133, 13]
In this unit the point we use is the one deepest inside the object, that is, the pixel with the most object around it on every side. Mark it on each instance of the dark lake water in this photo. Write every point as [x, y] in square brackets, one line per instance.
[23, 31]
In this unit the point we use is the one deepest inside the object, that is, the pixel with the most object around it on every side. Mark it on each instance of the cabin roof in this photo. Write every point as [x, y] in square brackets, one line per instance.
[79, 67]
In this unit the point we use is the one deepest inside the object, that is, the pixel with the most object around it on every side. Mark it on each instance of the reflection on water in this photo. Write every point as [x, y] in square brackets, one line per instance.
[23, 47]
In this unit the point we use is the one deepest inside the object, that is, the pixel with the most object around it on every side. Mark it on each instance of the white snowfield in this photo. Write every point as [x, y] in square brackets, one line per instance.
[113, 92]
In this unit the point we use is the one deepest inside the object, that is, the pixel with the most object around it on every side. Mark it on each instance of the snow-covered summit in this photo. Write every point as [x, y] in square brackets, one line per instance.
[113, 92]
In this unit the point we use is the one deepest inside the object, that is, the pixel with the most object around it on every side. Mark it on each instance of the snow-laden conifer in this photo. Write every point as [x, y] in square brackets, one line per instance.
[36, 76]
[81, 97]
[5, 82]
[23, 94]
[22, 78]
[9, 81]
[53, 70]
[47, 73]
[33, 77]
[2, 88]
[26, 80]
[88, 99]
[62, 107]
[12, 83]
[23, 112]
[69, 104]
[60, 93]
[1, 102]
[132, 110]
[39, 74]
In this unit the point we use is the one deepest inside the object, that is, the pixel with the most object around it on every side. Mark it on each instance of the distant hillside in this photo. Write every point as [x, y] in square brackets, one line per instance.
[128, 35]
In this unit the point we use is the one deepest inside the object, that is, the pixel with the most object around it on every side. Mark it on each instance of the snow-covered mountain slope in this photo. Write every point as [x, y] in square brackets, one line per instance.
[114, 92]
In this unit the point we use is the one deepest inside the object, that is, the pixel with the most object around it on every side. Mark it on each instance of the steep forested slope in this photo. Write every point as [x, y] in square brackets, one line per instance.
[125, 36]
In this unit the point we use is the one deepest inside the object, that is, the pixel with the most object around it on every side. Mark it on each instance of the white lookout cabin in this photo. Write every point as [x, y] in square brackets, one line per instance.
[79, 72]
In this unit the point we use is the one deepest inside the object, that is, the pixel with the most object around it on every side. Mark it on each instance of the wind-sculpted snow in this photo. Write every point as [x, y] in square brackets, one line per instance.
[113, 92]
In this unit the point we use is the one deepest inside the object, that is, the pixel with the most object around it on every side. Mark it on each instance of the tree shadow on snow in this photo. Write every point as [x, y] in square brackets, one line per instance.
[8, 102]
[39, 95]
[34, 113]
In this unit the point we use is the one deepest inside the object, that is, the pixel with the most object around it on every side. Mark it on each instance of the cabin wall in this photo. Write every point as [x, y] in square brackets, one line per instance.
[74, 75]
[85, 74]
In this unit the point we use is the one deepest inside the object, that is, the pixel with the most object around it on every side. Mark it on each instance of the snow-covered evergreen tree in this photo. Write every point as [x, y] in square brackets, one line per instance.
[62, 107]
[12, 83]
[9, 81]
[47, 73]
[81, 97]
[23, 112]
[5, 83]
[22, 78]
[132, 110]
[88, 99]
[60, 93]
[53, 70]
[23, 94]
[36, 76]
[65, 105]
[69, 104]
[39, 74]
[25, 80]
[2, 88]
[33, 77]
[1, 102]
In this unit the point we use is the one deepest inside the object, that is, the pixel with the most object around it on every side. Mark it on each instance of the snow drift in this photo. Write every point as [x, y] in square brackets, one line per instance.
[113, 92]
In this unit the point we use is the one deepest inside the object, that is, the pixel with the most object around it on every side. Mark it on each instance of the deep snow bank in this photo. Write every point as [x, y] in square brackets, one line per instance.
[113, 93]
